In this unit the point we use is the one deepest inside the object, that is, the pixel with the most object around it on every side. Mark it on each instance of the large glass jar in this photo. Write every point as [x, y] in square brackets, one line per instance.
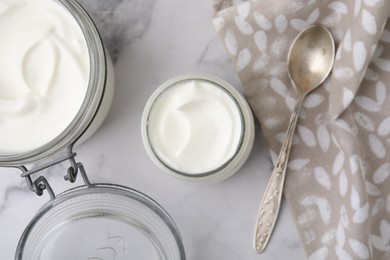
[96, 102]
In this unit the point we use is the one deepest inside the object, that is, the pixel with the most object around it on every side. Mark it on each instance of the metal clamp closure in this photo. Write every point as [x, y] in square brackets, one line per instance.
[40, 184]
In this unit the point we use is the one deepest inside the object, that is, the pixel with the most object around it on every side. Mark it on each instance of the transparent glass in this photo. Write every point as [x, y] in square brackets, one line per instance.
[101, 222]
[97, 100]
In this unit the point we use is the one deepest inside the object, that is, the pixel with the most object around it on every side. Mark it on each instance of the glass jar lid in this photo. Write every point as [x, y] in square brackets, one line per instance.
[101, 222]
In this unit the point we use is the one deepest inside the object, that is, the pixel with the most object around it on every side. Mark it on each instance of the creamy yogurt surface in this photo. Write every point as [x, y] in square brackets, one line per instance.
[44, 72]
[195, 126]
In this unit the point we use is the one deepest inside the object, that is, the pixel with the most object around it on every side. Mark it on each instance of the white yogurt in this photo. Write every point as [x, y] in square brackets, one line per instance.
[44, 72]
[195, 126]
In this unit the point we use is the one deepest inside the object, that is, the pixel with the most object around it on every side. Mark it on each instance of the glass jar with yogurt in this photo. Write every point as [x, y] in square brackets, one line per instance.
[56, 87]
[56, 80]
[198, 128]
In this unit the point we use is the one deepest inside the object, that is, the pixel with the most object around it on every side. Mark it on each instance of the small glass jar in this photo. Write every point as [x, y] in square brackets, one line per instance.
[235, 103]
[101, 222]
[95, 221]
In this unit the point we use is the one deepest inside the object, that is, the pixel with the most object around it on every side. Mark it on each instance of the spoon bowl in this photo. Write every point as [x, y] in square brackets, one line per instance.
[311, 58]
[310, 61]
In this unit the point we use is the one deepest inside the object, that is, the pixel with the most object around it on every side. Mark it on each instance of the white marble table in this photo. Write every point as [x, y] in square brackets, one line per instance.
[151, 41]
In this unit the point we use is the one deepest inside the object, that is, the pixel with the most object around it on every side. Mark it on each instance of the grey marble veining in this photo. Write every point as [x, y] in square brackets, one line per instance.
[152, 41]
[11, 185]
[119, 21]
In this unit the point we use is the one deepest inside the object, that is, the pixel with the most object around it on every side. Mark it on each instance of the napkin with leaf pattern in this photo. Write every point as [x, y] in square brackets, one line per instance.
[338, 179]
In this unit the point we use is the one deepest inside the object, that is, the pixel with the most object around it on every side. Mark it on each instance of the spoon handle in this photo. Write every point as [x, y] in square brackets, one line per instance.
[270, 204]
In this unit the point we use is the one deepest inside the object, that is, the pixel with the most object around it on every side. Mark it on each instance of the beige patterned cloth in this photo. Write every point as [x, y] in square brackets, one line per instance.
[338, 180]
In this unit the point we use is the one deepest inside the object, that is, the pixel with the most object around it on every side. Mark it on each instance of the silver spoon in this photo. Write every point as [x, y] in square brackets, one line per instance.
[310, 61]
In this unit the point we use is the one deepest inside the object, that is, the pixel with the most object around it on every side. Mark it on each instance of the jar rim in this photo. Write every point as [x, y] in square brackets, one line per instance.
[104, 190]
[92, 100]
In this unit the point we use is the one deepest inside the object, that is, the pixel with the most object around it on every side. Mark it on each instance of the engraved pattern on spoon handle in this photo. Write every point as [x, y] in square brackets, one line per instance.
[270, 204]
